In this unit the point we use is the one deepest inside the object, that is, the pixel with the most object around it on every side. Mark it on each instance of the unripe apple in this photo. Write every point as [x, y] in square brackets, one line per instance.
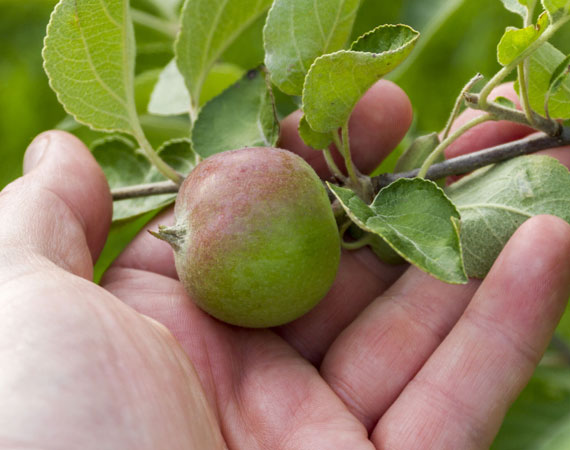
[255, 240]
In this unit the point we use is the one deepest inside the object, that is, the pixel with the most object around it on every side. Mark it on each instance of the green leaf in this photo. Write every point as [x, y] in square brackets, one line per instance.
[247, 50]
[124, 166]
[89, 57]
[299, 31]
[542, 65]
[557, 9]
[242, 116]
[208, 28]
[221, 77]
[515, 40]
[495, 201]
[338, 80]
[417, 152]
[314, 139]
[417, 220]
[170, 96]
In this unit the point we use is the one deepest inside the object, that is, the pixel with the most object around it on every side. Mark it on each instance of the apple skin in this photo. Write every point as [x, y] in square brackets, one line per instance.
[256, 243]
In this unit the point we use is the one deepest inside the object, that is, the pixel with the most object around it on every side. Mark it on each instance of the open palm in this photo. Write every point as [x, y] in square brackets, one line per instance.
[389, 359]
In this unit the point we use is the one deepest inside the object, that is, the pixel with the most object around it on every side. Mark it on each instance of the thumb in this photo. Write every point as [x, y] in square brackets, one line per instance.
[60, 209]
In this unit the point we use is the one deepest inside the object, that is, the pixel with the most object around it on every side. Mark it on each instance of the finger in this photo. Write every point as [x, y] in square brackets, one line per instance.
[487, 134]
[264, 394]
[460, 396]
[61, 209]
[371, 362]
[378, 123]
[361, 278]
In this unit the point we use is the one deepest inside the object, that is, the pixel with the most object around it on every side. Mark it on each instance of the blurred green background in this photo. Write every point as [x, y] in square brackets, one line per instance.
[458, 40]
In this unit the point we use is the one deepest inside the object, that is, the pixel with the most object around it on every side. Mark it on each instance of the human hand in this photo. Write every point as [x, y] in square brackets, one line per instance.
[413, 361]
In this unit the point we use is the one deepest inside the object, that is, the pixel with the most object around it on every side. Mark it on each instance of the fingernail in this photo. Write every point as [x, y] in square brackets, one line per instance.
[35, 152]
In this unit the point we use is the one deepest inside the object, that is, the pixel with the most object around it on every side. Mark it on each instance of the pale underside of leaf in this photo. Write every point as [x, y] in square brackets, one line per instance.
[170, 96]
[208, 28]
[417, 220]
[89, 56]
[338, 80]
[299, 31]
[495, 201]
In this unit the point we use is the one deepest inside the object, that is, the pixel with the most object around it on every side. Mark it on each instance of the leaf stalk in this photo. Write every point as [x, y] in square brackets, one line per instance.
[438, 151]
[460, 99]
[548, 126]
[156, 160]
[332, 165]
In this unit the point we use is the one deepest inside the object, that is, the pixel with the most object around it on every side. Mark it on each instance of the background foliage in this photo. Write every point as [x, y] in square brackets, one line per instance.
[458, 40]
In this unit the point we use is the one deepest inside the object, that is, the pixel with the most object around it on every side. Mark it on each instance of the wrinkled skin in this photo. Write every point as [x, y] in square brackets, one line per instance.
[390, 359]
[256, 243]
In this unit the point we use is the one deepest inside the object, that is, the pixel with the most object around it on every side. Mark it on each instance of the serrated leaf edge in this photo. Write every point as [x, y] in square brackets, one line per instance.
[412, 42]
[388, 25]
[58, 6]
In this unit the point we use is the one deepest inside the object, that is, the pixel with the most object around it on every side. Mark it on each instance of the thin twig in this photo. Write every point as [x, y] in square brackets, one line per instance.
[455, 166]
[550, 127]
[145, 190]
[438, 151]
[472, 161]
[457, 108]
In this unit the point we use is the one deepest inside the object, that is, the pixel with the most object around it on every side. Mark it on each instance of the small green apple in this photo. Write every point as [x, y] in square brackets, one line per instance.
[255, 239]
